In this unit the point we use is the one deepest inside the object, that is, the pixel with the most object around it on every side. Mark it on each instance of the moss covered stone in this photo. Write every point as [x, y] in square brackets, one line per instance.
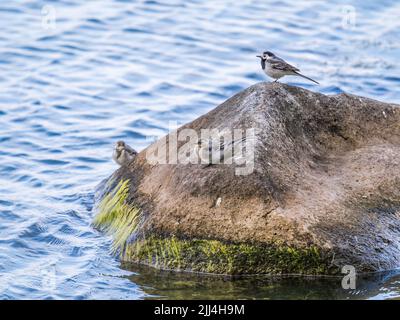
[324, 173]
[117, 217]
[213, 256]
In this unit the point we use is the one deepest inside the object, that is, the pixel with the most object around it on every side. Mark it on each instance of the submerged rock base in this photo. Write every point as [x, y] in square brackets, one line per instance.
[213, 256]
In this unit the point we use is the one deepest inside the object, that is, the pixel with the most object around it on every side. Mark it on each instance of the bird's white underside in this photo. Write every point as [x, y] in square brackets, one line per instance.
[122, 158]
[276, 74]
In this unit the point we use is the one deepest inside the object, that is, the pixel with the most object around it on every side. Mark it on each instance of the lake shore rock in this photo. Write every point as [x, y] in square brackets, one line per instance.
[322, 192]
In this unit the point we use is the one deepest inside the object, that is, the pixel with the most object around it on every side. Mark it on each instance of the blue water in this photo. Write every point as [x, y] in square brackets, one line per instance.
[75, 76]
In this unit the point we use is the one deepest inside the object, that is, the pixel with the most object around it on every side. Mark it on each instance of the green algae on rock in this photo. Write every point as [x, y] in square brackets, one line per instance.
[117, 217]
[213, 256]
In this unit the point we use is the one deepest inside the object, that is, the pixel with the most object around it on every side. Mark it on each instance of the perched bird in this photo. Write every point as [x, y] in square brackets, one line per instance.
[210, 152]
[123, 154]
[277, 68]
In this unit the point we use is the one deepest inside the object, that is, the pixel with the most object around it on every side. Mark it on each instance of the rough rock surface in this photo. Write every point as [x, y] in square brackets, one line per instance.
[326, 175]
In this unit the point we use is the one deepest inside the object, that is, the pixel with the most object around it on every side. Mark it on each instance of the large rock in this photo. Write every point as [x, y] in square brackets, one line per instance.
[324, 191]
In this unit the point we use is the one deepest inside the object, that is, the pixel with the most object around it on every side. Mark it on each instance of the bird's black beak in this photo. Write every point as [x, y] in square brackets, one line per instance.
[259, 57]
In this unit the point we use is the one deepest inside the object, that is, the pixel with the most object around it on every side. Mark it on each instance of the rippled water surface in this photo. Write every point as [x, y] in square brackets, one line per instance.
[78, 75]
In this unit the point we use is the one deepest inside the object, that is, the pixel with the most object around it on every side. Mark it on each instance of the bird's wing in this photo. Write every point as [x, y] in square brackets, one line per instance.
[130, 150]
[229, 143]
[280, 64]
[222, 145]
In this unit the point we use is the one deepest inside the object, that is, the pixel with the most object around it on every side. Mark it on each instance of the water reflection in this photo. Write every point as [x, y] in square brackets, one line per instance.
[160, 284]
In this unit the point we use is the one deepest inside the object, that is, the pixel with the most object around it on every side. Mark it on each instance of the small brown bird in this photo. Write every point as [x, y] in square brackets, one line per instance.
[123, 154]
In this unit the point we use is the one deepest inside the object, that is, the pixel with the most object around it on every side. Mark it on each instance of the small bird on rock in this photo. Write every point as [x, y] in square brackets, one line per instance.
[123, 154]
[216, 153]
[277, 68]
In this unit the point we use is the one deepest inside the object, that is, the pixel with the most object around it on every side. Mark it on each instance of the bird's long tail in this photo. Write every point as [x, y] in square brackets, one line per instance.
[299, 74]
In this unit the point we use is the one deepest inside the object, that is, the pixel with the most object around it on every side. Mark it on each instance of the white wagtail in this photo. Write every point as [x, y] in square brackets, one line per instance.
[123, 154]
[216, 152]
[277, 68]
